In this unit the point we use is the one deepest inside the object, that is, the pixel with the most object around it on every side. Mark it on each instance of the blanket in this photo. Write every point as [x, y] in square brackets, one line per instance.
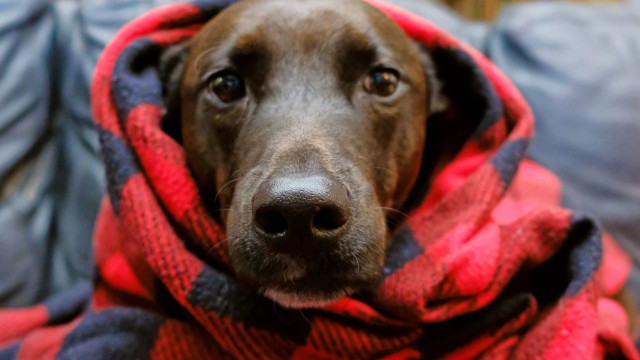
[486, 266]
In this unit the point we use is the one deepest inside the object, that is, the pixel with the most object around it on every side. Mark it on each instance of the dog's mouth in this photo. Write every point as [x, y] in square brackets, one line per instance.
[302, 299]
[306, 283]
[315, 288]
[309, 281]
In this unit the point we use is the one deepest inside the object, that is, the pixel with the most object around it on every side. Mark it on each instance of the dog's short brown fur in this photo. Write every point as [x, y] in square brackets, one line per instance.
[304, 124]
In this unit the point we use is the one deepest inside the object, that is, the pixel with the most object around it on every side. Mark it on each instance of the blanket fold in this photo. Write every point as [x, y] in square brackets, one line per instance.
[487, 265]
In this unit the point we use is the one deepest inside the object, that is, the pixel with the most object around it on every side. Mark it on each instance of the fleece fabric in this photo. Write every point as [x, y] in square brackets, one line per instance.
[487, 265]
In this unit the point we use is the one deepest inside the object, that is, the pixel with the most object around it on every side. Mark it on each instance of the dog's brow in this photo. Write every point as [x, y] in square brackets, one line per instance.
[357, 54]
[357, 47]
[250, 54]
[248, 46]
[357, 41]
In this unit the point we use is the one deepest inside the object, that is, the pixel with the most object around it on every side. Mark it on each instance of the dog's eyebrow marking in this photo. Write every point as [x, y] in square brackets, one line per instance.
[357, 55]
[248, 48]
[250, 55]
[358, 49]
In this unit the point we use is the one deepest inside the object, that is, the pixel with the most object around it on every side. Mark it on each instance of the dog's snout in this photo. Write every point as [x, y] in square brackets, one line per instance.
[300, 215]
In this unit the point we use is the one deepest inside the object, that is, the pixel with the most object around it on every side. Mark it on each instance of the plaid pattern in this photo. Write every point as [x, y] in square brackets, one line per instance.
[487, 265]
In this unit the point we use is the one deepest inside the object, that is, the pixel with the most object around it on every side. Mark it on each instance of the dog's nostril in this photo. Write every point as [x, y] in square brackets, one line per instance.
[329, 219]
[271, 221]
[300, 215]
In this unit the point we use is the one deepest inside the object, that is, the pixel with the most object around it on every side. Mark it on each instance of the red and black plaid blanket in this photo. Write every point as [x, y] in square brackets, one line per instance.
[487, 265]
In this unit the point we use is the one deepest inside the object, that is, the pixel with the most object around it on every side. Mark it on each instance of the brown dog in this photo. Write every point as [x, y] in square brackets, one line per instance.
[304, 123]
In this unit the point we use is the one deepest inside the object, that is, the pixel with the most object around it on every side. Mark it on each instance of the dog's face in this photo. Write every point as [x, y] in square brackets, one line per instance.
[304, 123]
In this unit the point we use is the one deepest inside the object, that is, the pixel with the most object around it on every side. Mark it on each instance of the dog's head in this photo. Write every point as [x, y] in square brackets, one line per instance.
[304, 124]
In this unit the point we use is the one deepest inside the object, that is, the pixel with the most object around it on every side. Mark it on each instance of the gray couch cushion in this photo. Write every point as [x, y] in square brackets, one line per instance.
[50, 174]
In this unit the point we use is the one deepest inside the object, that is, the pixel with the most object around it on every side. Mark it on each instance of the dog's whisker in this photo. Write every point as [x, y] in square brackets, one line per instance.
[374, 167]
[347, 170]
[275, 309]
[304, 316]
[393, 210]
[394, 221]
[379, 246]
[225, 185]
[234, 173]
[385, 169]
[216, 246]
[355, 257]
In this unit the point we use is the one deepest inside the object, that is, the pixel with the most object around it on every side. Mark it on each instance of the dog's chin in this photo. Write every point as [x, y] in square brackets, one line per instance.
[298, 300]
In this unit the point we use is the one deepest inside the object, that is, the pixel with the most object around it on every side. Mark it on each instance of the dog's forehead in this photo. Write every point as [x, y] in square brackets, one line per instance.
[305, 26]
[297, 15]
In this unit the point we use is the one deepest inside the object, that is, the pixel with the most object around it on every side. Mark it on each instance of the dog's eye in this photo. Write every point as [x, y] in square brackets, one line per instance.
[227, 86]
[382, 82]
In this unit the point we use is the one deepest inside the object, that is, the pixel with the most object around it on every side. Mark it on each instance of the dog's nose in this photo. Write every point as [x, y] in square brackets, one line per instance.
[301, 215]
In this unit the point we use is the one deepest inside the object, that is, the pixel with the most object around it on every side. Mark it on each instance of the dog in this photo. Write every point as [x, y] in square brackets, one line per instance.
[304, 123]
[309, 128]
[305, 126]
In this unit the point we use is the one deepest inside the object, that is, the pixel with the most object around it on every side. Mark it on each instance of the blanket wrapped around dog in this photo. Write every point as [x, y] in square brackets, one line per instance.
[486, 266]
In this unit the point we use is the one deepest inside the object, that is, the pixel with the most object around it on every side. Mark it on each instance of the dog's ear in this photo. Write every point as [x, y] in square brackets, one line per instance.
[171, 70]
[437, 101]
[446, 134]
